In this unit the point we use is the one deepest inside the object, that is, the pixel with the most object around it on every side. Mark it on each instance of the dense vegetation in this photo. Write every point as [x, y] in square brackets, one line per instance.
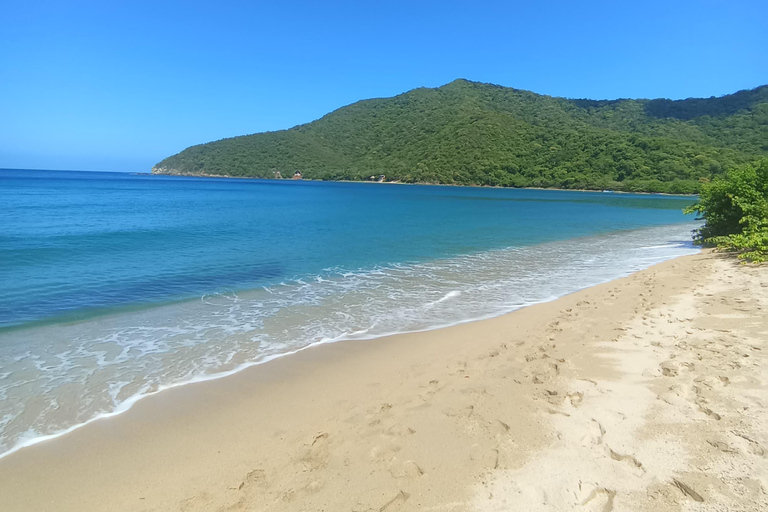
[475, 133]
[735, 208]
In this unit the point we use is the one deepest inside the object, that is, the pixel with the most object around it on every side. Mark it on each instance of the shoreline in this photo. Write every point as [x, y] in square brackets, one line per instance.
[225, 176]
[205, 447]
[128, 403]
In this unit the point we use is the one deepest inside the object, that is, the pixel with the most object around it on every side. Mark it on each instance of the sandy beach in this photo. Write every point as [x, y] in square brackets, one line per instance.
[647, 393]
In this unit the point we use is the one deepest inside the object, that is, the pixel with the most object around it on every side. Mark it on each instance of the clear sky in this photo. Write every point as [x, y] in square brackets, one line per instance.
[119, 85]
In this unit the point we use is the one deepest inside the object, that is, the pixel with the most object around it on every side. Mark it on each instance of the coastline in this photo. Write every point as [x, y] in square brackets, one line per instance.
[226, 176]
[411, 421]
[488, 312]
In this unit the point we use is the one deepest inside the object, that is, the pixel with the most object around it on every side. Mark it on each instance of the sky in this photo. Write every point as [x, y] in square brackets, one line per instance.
[119, 85]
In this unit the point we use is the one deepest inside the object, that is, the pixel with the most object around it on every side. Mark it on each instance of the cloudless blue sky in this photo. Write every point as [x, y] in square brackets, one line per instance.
[119, 85]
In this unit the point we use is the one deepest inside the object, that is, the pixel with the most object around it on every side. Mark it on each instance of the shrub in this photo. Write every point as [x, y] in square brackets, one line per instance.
[735, 211]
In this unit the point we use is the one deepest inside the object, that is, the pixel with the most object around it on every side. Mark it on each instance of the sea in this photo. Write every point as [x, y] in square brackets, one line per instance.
[116, 286]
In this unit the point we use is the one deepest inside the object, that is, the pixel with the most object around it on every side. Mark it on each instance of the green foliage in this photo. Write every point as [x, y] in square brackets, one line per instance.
[735, 208]
[471, 133]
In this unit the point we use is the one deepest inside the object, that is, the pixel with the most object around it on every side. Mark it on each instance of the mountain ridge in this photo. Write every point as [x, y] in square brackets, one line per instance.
[472, 133]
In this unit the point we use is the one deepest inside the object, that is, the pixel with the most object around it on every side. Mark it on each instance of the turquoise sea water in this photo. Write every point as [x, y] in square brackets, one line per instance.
[115, 286]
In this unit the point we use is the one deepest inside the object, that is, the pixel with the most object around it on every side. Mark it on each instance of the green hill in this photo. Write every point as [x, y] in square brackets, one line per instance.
[482, 134]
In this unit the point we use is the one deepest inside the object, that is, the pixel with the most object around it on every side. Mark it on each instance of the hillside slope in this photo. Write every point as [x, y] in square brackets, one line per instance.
[474, 133]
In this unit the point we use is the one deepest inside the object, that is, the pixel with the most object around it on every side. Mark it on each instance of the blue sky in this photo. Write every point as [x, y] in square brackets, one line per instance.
[119, 85]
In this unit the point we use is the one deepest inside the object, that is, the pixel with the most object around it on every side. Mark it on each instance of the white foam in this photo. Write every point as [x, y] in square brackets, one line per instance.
[451, 294]
[664, 246]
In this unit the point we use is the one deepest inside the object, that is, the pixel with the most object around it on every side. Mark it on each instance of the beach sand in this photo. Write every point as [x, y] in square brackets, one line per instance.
[647, 393]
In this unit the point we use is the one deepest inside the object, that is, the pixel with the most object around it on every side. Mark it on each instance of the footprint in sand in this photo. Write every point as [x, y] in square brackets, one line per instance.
[398, 430]
[313, 486]
[593, 435]
[497, 430]
[195, 503]
[600, 499]
[576, 398]
[384, 452]
[700, 402]
[316, 453]
[431, 389]
[377, 414]
[629, 459]
[461, 369]
[489, 355]
[395, 503]
[408, 470]
[256, 478]
[490, 459]
[722, 446]
[462, 413]
[752, 446]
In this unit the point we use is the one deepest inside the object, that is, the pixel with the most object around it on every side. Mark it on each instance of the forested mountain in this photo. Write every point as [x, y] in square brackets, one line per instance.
[475, 133]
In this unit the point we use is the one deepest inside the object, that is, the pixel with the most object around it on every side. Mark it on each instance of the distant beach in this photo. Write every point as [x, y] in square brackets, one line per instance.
[163, 172]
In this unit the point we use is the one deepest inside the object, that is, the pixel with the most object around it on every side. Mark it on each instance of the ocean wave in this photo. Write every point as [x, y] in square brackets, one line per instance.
[111, 362]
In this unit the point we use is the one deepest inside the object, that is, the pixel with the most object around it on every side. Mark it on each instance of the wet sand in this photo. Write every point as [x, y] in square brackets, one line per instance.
[645, 393]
